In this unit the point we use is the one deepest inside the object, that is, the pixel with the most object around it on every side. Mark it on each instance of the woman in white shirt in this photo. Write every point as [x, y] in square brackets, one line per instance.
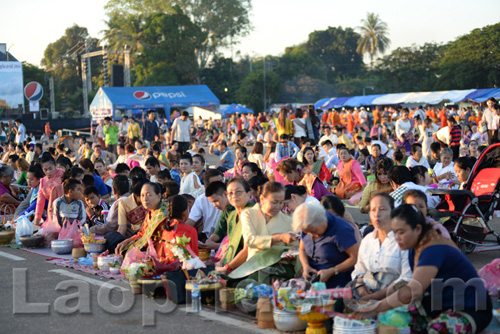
[257, 156]
[444, 170]
[295, 196]
[381, 263]
[405, 130]
[417, 157]
[190, 183]
[299, 126]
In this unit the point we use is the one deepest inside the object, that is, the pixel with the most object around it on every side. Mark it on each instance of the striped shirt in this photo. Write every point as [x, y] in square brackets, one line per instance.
[65, 211]
[455, 135]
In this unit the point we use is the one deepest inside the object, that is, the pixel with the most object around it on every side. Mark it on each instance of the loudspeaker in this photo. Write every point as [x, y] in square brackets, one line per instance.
[44, 113]
[117, 76]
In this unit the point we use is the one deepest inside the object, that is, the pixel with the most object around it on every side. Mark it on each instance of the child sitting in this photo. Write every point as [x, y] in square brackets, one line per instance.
[97, 210]
[70, 207]
[174, 172]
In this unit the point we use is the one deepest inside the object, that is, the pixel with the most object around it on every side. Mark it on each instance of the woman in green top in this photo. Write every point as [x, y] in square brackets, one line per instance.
[238, 194]
[22, 166]
[380, 184]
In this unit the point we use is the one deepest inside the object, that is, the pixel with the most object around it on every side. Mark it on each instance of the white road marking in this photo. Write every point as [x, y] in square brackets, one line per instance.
[12, 257]
[86, 279]
[251, 327]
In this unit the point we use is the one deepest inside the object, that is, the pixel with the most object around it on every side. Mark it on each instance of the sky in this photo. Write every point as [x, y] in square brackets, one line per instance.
[28, 26]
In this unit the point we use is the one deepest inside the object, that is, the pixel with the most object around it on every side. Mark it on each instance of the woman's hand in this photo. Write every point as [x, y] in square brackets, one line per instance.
[325, 274]
[366, 312]
[288, 238]
[307, 272]
[121, 246]
[221, 270]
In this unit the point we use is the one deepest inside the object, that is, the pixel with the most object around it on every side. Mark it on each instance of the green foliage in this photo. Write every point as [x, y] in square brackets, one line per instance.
[336, 47]
[296, 61]
[473, 60]
[222, 78]
[374, 36]
[168, 55]
[60, 60]
[223, 21]
[251, 91]
[414, 68]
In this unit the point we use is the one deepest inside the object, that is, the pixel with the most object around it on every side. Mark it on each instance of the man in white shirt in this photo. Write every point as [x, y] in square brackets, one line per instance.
[123, 129]
[203, 210]
[329, 135]
[488, 117]
[181, 132]
[419, 112]
[20, 132]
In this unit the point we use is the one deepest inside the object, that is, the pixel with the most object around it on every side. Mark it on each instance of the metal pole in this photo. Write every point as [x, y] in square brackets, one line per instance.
[105, 65]
[52, 100]
[265, 83]
[85, 87]
[127, 66]
[89, 74]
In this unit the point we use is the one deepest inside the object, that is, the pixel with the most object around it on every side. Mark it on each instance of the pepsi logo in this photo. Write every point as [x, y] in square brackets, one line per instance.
[142, 95]
[33, 91]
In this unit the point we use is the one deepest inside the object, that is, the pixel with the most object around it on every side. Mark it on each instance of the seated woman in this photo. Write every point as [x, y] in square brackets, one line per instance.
[334, 205]
[419, 199]
[35, 174]
[380, 184]
[291, 171]
[381, 262]
[164, 222]
[295, 196]
[249, 170]
[51, 180]
[444, 170]
[256, 183]
[7, 194]
[420, 176]
[265, 227]
[240, 154]
[416, 157]
[352, 179]
[328, 246]
[238, 195]
[22, 166]
[318, 167]
[463, 167]
[434, 258]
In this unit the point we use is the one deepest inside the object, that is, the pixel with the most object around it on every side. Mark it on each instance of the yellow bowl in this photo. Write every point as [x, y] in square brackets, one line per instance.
[314, 316]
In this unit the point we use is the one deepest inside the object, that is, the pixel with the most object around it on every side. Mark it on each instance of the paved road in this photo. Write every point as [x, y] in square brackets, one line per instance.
[38, 297]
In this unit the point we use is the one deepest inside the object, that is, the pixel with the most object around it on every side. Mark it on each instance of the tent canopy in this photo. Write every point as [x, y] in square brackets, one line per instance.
[108, 99]
[235, 108]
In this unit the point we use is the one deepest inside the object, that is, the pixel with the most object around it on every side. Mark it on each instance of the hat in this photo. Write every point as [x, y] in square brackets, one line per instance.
[362, 108]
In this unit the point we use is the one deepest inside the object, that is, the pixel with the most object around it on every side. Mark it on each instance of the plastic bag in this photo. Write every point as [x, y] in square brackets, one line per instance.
[134, 255]
[490, 273]
[23, 227]
[51, 225]
[72, 231]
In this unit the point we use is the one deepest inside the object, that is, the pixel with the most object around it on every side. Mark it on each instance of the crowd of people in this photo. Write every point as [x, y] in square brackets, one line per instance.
[279, 181]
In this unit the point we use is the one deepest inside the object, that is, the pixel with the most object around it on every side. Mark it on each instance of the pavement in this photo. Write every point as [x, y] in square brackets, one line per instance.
[38, 297]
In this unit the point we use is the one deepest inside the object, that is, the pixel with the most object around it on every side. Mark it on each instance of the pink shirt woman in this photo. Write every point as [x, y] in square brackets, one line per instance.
[52, 179]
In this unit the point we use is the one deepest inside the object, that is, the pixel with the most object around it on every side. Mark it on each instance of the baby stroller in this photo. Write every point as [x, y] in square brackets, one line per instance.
[467, 213]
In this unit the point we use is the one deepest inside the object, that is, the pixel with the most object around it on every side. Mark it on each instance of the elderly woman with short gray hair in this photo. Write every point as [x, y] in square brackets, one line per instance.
[7, 194]
[328, 246]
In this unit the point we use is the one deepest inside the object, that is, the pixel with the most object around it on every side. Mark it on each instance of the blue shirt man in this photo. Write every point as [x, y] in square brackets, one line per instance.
[226, 161]
[150, 128]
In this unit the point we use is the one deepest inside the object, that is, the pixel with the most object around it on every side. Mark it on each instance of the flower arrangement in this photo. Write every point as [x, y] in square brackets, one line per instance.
[137, 269]
[185, 254]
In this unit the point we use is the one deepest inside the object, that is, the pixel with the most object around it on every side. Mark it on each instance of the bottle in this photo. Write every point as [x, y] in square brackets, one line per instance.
[195, 299]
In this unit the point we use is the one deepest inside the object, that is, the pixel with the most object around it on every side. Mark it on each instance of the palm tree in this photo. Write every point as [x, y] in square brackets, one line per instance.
[374, 36]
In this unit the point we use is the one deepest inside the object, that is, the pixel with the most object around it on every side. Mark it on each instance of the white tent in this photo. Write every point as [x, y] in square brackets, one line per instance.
[204, 113]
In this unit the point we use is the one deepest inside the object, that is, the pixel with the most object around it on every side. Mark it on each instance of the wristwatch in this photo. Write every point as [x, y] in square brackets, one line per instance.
[336, 271]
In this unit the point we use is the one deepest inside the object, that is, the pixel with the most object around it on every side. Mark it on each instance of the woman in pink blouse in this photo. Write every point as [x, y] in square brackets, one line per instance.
[52, 179]
[352, 179]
